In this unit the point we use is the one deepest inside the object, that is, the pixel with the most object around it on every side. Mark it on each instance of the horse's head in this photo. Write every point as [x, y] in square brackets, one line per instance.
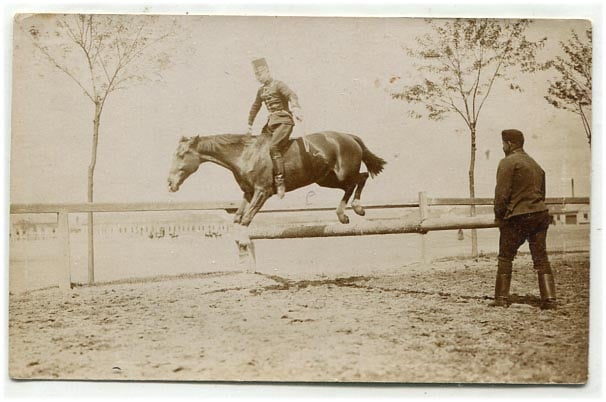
[186, 161]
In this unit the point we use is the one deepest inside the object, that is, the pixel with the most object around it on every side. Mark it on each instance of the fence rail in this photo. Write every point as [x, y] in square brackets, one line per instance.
[232, 206]
[422, 225]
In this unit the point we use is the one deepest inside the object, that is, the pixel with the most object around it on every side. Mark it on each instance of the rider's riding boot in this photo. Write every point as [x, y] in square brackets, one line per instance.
[547, 290]
[502, 284]
[278, 163]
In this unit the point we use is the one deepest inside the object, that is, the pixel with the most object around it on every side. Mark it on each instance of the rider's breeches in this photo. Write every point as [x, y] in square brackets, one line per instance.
[515, 231]
[280, 134]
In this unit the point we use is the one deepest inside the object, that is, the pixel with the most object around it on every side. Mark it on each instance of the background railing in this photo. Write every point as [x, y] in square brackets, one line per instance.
[421, 225]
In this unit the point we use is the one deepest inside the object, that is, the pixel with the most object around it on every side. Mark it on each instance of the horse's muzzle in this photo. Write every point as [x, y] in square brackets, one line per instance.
[173, 187]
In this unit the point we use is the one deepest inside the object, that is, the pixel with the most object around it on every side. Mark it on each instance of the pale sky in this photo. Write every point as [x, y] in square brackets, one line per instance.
[339, 68]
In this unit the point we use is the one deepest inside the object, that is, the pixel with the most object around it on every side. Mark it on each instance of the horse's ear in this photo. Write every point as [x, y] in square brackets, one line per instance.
[194, 141]
[183, 139]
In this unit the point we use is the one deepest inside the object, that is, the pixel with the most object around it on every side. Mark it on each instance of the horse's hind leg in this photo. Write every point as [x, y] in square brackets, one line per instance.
[331, 181]
[355, 204]
[341, 208]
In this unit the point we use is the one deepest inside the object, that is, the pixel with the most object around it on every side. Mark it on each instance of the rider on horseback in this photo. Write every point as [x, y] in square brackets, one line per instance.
[276, 96]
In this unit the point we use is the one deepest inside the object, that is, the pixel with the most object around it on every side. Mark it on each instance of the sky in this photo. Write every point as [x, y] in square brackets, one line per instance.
[339, 67]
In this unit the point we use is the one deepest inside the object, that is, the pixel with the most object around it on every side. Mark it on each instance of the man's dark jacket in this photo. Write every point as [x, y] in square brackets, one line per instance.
[520, 186]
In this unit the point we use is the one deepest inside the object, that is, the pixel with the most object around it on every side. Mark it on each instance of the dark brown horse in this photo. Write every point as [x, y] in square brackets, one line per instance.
[328, 158]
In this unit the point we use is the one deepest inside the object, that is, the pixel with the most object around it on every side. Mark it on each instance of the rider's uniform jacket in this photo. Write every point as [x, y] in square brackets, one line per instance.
[520, 186]
[276, 95]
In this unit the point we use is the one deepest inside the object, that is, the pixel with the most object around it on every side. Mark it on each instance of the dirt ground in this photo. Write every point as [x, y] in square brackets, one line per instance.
[415, 323]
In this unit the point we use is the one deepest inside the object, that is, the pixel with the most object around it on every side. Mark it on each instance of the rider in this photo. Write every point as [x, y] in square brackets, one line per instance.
[276, 96]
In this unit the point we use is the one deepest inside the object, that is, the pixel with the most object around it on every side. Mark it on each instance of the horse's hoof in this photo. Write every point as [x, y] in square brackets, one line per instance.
[344, 219]
[237, 218]
[359, 210]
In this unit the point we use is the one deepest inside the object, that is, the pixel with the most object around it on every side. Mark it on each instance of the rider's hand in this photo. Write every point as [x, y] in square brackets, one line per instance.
[249, 131]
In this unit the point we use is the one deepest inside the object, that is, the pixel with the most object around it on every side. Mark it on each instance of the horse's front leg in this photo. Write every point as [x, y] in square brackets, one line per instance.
[240, 211]
[258, 199]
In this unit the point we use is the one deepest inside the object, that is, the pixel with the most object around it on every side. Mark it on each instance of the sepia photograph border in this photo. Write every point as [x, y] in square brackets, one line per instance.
[591, 10]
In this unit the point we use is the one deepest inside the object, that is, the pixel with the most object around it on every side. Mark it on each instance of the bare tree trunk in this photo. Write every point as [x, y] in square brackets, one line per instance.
[472, 191]
[90, 196]
[586, 124]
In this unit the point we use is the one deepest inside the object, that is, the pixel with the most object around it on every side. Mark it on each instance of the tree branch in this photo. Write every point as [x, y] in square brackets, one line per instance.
[477, 84]
[64, 69]
[460, 112]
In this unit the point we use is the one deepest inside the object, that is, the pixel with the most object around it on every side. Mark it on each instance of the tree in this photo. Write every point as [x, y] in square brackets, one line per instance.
[572, 90]
[460, 62]
[102, 54]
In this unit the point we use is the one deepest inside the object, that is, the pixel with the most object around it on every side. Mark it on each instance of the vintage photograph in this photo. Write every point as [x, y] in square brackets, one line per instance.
[300, 199]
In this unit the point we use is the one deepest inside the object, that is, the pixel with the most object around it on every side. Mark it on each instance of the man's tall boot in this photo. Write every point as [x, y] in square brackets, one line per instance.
[278, 164]
[502, 284]
[547, 290]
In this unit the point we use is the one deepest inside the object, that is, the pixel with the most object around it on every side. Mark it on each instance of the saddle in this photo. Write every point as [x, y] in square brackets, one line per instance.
[306, 149]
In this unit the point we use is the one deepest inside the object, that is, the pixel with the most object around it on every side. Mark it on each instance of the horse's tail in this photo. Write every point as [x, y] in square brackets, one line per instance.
[373, 163]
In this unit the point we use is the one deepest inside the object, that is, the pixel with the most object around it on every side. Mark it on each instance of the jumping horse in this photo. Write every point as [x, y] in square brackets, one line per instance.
[328, 158]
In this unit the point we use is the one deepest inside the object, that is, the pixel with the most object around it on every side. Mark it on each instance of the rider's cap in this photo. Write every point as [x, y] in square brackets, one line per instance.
[513, 135]
[259, 63]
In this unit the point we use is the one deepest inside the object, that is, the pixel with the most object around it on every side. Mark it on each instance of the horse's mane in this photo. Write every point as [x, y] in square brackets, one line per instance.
[209, 143]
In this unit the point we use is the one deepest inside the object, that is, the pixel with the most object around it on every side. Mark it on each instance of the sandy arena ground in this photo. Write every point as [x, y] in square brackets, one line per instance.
[414, 323]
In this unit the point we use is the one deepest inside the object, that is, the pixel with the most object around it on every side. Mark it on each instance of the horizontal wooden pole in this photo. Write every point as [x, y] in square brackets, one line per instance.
[232, 206]
[334, 229]
[459, 222]
[393, 226]
[121, 207]
[460, 201]
[490, 201]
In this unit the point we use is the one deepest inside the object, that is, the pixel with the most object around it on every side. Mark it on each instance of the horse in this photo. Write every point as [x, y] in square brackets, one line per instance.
[329, 158]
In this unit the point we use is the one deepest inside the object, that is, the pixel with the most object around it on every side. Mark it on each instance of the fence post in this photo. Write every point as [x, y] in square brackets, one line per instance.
[65, 281]
[247, 260]
[423, 212]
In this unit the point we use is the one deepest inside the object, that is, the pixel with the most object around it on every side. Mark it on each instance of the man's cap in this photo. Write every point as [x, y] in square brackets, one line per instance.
[512, 135]
[259, 63]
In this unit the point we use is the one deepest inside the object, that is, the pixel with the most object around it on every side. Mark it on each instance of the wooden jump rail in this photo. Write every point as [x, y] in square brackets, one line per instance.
[393, 226]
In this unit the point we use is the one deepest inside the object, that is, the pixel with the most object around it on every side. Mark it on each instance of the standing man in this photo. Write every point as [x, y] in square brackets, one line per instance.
[519, 208]
[277, 97]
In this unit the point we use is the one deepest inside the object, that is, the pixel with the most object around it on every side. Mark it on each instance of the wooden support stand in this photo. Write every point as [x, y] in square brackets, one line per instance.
[246, 249]
[247, 261]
